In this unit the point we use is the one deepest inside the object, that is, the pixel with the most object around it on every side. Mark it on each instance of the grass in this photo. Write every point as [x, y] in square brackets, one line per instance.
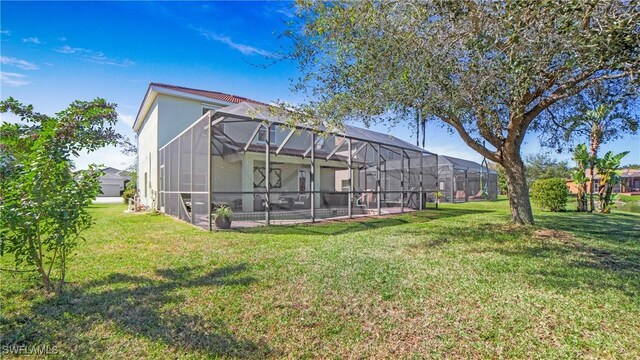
[628, 198]
[628, 203]
[456, 282]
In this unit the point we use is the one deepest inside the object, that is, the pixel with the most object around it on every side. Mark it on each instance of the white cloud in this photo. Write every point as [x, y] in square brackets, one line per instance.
[62, 38]
[5, 32]
[127, 119]
[288, 12]
[19, 63]
[97, 57]
[245, 49]
[12, 79]
[31, 40]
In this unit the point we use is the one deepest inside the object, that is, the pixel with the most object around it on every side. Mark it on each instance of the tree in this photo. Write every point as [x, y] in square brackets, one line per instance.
[487, 70]
[593, 117]
[43, 202]
[582, 159]
[608, 167]
[541, 166]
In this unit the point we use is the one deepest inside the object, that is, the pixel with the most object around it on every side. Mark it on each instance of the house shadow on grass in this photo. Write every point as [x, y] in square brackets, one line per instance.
[140, 307]
[346, 226]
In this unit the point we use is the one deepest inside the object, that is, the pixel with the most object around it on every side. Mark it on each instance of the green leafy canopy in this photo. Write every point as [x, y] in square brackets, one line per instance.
[43, 202]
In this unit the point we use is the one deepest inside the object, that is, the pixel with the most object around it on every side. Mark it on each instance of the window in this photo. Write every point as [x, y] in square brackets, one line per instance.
[262, 134]
[145, 184]
[302, 181]
[346, 185]
[319, 143]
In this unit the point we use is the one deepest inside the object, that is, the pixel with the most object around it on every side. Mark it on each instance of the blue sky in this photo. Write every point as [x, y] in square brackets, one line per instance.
[56, 52]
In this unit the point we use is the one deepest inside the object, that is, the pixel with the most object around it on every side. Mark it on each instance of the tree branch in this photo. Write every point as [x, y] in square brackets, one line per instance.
[455, 122]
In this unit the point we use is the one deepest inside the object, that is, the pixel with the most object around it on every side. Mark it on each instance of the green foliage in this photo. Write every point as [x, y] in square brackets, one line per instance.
[542, 166]
[595, 116]
[223, 212]
[550, 194]
[608, 167]
[43, 203]
[128, 194]
[583, 161]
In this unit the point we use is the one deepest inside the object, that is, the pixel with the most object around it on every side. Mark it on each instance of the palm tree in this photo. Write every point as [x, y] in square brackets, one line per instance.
[600, 123]
[608, 168]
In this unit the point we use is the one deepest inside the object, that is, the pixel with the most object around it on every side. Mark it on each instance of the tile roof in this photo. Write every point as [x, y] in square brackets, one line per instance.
[215, 95]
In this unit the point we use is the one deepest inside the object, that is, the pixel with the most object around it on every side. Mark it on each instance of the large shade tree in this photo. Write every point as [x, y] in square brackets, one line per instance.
[487, 70]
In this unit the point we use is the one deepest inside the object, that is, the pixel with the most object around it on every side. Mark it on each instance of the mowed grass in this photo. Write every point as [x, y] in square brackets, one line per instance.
[453, 282]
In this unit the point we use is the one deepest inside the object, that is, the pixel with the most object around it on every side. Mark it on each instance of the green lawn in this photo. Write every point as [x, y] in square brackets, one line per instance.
[454, 282]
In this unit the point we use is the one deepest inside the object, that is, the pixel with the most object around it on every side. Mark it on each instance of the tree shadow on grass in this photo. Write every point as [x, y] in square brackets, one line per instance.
[616, 227]
[566, 253]
[138, 306]
[593, 251]
[346, 226]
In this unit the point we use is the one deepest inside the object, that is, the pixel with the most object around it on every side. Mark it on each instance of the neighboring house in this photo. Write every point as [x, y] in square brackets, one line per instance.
[198, 150]
[629, 182]
[463, 180]
[113, 182]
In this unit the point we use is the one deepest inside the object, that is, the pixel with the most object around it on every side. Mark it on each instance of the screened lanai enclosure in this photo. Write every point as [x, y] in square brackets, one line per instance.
[461, 180]
[269, 172]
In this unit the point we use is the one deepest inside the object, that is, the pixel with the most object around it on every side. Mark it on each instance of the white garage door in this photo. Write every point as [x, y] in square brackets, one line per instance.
[110, 190]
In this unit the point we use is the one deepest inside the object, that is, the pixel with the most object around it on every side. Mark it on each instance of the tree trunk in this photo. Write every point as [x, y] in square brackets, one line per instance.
[518, 190]
[591, 174]
[595, 144]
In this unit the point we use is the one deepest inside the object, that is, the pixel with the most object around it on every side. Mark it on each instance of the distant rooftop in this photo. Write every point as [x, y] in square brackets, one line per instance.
[458, 163]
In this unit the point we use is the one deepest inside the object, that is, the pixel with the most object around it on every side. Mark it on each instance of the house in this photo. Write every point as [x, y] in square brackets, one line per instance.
[461, 180]
[629, 182]
[199, 150]
[113, 182]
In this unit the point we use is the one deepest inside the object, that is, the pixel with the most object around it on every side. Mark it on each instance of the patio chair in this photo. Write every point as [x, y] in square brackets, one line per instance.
[365, 200]
[284, 202]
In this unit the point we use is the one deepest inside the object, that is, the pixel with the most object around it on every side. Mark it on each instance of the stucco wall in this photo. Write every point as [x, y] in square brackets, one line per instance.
[175, 115]
[148, 156]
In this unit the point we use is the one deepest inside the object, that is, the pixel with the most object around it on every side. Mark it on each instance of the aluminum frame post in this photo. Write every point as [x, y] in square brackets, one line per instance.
[267, 171]
[350, 195]
[209, 169]
[402, 182]
[378, 174]
[421, 197]
[437, 180]
[312, 180]
[191, 180]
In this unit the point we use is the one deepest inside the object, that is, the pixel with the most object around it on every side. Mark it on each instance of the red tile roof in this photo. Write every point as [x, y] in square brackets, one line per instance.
[208, 94]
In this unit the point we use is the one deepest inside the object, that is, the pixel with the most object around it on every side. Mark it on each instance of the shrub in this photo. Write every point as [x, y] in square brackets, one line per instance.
[43, 202]
[223, 216]
[128, 194]
[550, 194]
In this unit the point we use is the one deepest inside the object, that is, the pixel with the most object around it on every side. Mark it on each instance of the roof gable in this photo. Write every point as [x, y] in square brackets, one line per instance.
[216, 97]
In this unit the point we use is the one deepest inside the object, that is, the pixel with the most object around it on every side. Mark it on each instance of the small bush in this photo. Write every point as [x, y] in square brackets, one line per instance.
[550, 194]
[223, 211]
[128, 194]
